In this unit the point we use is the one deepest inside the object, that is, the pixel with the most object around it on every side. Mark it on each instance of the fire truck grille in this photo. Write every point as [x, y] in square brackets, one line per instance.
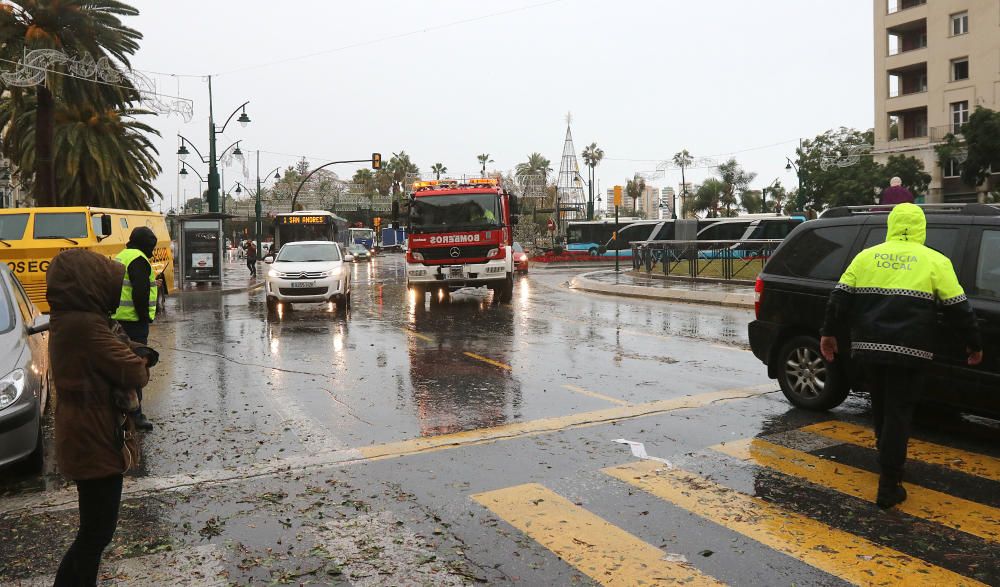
[444, 253]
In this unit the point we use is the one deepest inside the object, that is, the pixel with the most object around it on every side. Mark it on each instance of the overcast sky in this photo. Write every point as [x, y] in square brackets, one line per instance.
[642, 78]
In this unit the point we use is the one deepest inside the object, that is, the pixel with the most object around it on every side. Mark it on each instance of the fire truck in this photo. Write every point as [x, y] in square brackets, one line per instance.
[461, 232]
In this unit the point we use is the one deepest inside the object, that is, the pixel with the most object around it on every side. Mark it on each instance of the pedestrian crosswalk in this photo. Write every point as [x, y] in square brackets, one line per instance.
[611, 555]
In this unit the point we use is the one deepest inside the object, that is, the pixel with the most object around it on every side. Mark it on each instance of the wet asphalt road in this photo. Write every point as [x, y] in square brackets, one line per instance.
[468, 442]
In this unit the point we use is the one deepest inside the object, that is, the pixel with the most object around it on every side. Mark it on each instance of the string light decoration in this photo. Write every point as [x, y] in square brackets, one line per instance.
[35, 64]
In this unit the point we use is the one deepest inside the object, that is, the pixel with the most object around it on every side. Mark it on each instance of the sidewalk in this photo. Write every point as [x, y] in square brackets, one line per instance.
[235, 279]
[622, 284]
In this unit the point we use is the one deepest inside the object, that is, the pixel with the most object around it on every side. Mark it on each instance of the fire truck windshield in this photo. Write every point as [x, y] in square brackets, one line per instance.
[460, 211]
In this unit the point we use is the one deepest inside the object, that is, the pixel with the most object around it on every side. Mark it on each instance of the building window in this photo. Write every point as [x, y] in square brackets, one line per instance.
[959, 115]
[959, 69]
[959, 23]
[952, 168]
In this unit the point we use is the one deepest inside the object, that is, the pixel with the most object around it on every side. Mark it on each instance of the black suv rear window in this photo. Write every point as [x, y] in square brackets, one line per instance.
[820, 253]
[939, 238]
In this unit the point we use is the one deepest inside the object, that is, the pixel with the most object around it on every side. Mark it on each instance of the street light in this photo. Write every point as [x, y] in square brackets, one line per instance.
[213, 170]
[800, 197]
[375, 160]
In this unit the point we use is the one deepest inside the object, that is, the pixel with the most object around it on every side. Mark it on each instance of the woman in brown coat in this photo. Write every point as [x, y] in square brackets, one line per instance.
[94, 372]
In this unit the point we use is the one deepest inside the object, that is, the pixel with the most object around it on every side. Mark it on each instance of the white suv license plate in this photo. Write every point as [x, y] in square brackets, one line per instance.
[299, 284]
[455, 272]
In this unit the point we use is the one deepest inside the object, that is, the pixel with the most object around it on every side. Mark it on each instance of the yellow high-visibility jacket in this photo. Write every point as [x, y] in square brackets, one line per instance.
[890, 293]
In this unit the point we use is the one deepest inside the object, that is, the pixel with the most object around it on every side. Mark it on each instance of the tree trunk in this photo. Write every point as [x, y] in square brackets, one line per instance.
[44, 190]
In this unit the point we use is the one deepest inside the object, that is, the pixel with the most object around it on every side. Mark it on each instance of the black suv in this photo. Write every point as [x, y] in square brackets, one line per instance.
[792, 291]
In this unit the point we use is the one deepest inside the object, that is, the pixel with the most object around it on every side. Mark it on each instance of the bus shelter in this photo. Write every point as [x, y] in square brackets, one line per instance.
[200, 247]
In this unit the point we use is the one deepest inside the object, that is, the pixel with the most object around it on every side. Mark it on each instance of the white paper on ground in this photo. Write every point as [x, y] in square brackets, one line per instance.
[639, 451]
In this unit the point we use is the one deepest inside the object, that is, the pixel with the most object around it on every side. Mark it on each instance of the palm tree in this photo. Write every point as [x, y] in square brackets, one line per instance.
[707, 198]
[78, 27]
[364, 183]
[437, 169]
[736, 181]
[592, 156]
[634, 188]
[483, 160]
[400, 167]
[103, 157]
[536, 165]
[683, 159]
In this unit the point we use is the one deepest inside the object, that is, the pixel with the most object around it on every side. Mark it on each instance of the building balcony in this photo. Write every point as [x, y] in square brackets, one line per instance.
[911, 101]
[907, 59]
[901, 12]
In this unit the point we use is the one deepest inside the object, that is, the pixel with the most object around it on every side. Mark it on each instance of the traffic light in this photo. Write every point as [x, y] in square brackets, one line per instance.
[395, 213]
[618, 196]
[378, 221]
[376, 160]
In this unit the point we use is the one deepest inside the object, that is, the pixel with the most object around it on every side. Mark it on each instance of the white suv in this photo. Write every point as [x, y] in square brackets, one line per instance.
[309, 271]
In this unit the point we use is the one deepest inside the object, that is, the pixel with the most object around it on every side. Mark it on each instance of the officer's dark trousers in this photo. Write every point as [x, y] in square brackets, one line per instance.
[137, 332]
[894, 391]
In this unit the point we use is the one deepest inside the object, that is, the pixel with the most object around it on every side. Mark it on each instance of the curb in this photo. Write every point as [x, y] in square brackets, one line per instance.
[734, 300]
[232, 290]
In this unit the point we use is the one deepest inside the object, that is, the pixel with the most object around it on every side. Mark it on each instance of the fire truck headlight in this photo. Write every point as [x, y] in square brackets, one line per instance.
[416, 256]
[493, 254]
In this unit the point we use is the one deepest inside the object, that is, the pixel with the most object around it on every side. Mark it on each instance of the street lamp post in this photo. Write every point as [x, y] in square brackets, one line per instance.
[258, 227]
[375, 160]
[213, 168]
[800, 197]
[184, 173]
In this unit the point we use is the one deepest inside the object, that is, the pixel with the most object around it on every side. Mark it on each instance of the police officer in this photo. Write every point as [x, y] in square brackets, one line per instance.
[137, 307]
[889, 297]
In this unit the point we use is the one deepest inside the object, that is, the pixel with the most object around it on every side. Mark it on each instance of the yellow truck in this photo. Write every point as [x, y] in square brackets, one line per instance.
[31, 237]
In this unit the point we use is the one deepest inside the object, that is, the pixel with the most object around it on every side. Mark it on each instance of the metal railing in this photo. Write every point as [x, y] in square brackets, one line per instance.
[726, 259]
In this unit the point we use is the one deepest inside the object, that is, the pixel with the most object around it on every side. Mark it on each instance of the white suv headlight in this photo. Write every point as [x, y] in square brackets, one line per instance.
[274, 273]
[11, 387]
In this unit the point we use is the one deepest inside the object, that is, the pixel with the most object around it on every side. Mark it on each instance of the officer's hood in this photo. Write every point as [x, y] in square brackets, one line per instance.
[143, 239]
[79, 280]
[908, 224]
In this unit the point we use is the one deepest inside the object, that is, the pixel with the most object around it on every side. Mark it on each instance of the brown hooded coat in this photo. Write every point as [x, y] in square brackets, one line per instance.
[89, 364]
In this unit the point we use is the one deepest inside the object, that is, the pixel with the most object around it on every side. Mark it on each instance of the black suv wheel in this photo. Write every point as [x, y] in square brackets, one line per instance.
[806, 379]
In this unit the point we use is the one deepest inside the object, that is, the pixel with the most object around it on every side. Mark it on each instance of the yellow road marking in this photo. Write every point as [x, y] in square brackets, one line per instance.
[594, 394]
[834, 551]
[961, 514]
[489, 361]
[416, 334]
[559, 423]
[956, 459]
[604, 552]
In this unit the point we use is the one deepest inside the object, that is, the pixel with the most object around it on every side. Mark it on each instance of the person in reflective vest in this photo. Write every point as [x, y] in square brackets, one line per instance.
[889, 297]
[137, 307]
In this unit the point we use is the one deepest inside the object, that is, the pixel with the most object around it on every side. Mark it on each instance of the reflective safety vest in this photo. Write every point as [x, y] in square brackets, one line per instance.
[126, 307]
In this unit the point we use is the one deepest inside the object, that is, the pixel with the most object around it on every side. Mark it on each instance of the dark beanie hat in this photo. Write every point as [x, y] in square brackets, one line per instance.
[144, 239]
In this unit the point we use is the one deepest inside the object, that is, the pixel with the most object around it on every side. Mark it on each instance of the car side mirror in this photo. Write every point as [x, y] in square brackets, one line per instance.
[349, 258]
[105, 227]
[41, 324]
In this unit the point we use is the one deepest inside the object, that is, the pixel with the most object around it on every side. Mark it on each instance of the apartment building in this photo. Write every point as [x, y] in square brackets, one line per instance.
[935, 62]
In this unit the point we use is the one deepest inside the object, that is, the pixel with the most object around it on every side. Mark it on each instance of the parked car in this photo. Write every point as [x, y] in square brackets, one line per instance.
[309, 271]
[520, 258]
[793, 288]
[25, 375]
[360, 253]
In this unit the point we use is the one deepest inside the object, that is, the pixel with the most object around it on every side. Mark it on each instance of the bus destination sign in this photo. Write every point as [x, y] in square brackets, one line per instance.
[303, 219]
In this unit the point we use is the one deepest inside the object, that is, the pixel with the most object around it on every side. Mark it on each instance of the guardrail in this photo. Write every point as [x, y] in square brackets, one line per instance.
[727, 259]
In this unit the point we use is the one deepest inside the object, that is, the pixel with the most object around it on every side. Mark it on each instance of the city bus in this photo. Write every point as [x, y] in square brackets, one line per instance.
[309, 225]
[362, 236]
[589, 236]
[31, 237]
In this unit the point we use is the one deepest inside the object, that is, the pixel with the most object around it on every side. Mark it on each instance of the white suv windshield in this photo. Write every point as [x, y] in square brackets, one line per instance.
[306, 253]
